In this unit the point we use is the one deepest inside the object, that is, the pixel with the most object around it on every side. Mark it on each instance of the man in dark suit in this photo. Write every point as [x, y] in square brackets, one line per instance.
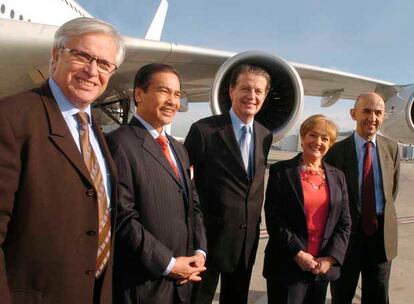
[229, 154]
[57, 177]
[371, 164]
[161, 243]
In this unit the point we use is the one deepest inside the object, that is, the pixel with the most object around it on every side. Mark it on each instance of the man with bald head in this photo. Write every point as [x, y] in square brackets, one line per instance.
[371, 164]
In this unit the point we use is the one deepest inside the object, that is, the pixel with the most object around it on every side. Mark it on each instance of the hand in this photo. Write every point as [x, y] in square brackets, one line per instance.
[200, 260]
[305, 261]
[325, 263]
[185, 269]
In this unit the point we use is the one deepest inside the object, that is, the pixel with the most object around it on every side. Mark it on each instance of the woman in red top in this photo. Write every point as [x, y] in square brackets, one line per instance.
[307, 218]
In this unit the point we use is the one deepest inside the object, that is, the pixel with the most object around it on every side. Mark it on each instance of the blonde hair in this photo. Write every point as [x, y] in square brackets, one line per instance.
[319, 120]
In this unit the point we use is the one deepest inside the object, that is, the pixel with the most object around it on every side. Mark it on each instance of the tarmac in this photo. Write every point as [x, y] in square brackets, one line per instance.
[402, 271]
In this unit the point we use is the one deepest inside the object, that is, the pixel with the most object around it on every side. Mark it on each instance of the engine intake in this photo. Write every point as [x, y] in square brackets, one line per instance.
[284, 102]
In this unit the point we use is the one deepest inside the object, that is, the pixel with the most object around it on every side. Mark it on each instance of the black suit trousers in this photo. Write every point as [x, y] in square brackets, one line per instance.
[234, 286]
[366, 255]
[300, 292]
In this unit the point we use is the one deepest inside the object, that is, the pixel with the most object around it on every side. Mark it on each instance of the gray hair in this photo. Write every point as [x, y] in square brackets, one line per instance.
[83, 25]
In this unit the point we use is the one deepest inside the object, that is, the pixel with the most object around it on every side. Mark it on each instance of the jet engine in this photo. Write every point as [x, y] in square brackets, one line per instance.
[399, 115]
[284, 103]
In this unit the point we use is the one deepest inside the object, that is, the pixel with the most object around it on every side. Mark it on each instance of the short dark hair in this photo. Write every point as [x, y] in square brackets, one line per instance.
[144, 75]
[247, 68]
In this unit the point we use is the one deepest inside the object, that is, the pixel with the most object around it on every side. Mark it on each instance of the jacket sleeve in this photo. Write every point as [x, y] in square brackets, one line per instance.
[10, 166]
[133, 241]
[275, 224]
[200, 238]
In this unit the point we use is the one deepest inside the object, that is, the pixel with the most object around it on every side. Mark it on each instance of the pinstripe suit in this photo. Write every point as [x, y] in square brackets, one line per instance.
[158, 217]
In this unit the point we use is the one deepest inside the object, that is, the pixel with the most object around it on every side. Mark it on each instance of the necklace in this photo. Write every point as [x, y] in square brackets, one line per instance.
[307, 174]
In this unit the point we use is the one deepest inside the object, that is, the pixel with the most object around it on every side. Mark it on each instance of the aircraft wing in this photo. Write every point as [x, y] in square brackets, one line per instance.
[198, 67]
[26, 50]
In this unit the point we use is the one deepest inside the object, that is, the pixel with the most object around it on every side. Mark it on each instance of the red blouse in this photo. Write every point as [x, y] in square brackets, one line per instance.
[316, 205]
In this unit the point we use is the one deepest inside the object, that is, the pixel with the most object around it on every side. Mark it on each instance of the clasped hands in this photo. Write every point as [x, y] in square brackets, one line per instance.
[188, 269]
[318, 266]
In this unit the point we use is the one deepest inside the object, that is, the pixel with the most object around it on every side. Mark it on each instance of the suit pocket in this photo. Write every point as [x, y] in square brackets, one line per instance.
[20, 296]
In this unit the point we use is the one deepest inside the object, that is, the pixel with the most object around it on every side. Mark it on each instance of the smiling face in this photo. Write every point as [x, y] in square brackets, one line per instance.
[82, 84]
[368, 113]
[158, 104]
[248, 95]
[315, 144]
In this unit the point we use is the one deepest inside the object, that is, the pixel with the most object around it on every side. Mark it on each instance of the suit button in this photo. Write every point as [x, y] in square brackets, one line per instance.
[243, 226]
[90, 192]
[91, 232]
[90, 272]
[180, 190]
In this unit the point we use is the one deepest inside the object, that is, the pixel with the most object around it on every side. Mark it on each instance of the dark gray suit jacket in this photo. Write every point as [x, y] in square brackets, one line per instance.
[343, 156]
[157, 214]
[231, 203]
[287, 227]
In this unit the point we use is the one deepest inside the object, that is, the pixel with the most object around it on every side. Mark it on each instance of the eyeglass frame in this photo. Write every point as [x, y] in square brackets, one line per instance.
[89, 58]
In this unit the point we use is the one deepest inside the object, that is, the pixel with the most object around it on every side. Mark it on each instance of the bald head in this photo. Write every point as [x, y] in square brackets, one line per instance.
[368, 113]
[371, 96]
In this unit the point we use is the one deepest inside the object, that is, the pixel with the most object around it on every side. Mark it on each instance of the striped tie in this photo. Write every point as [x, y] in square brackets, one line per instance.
[162, 141]
[104, 240]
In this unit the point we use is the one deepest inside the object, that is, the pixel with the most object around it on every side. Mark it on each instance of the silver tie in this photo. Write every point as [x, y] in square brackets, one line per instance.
[244, 148]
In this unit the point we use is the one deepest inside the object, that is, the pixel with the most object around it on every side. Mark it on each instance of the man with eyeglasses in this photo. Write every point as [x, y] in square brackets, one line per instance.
[57, 180]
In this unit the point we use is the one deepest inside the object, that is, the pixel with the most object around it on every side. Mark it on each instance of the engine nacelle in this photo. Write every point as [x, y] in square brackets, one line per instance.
[399, 120]
[284, 103]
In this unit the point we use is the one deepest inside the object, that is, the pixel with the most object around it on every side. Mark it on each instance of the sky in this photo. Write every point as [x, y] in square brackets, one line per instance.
[369, 38]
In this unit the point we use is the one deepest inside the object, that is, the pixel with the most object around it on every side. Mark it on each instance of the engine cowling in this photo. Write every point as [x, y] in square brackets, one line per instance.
[284, 103]
[399, 120]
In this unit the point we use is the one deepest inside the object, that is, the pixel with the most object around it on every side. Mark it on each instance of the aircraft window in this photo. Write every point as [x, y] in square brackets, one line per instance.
[2, 9]
[12, 14]
[21, 18]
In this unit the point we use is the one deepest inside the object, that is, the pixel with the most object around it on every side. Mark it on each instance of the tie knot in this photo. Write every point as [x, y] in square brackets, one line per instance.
[245, 129]
[162, 140]
[368, 145]
[82, 117]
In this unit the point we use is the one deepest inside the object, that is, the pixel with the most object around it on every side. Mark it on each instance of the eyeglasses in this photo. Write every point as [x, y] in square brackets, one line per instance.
[80, 57]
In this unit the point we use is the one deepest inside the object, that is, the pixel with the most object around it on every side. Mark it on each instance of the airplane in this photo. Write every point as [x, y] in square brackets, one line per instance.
[26, 36]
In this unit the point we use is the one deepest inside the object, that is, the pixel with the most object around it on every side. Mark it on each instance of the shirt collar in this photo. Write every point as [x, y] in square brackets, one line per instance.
[237, 123]
[360, 142]
[154, 133]
[65, 106]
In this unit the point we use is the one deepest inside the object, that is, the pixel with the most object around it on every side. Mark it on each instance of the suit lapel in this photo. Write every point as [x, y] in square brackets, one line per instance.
[152, 147]
[293, 176]
[105, 151]
[384, 158]
[229, 139]
[333, 191]
[351, 167]
[258, 148]
[60, 134]
[181, 166]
